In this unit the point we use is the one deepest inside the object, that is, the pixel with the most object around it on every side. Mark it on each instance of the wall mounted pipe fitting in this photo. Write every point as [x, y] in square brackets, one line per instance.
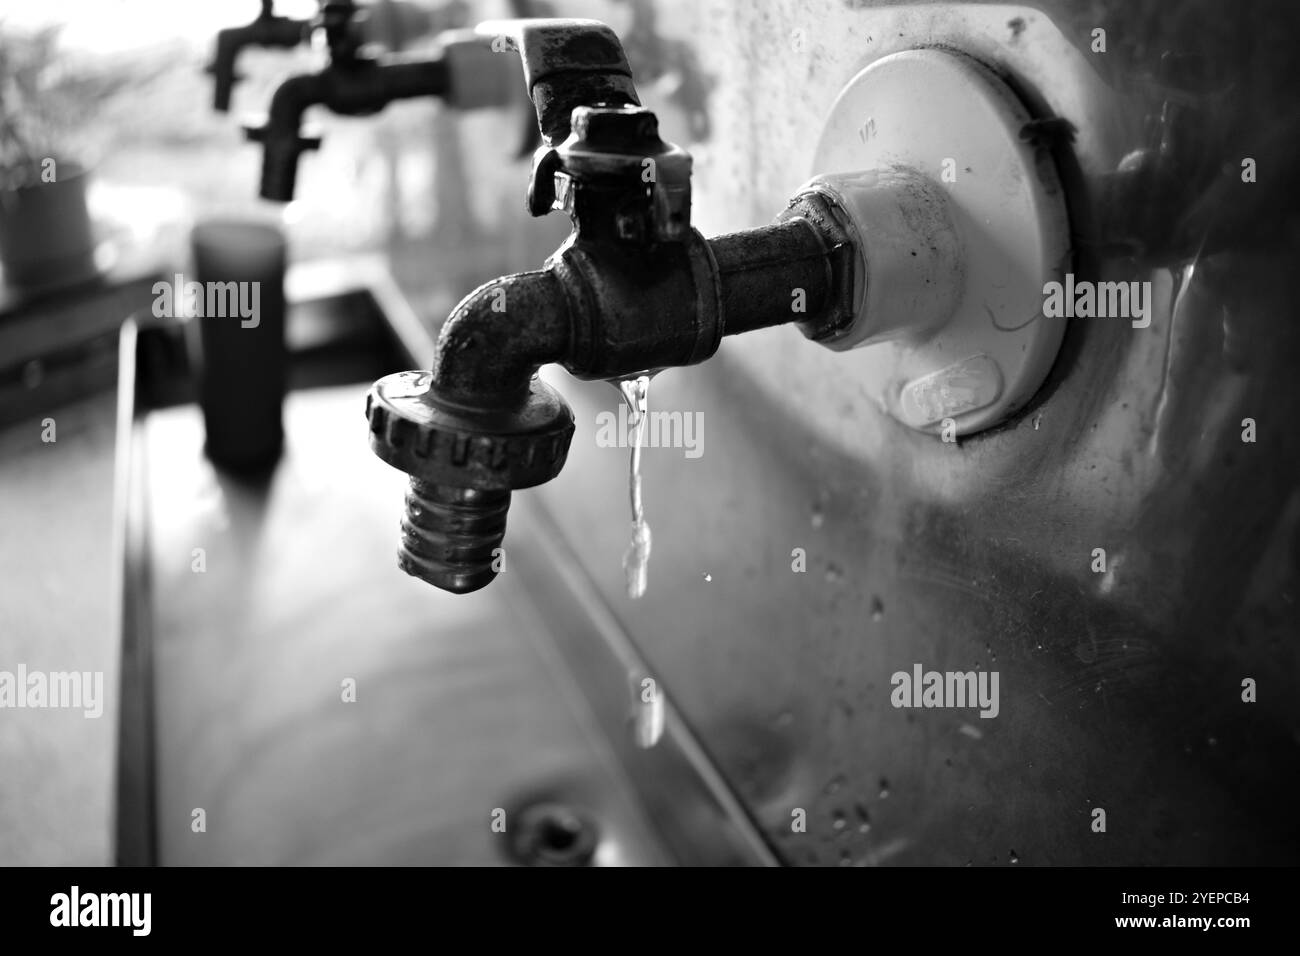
[958, 220]
[879, 257]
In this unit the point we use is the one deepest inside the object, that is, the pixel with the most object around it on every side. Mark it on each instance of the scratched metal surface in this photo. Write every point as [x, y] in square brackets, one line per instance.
[1119, 691]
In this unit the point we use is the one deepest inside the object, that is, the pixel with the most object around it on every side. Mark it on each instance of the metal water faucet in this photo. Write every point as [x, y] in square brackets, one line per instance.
[464, 72]
[634, 288]
[267, 30]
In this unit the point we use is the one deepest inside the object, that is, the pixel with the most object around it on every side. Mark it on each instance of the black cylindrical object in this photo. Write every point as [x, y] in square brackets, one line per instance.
[237, 299]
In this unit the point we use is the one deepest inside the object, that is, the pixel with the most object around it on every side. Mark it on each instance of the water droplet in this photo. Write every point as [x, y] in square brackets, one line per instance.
[846, 858]
[1014, 858]
[708, 577]
[33, 373]
[884, 788]
[838, 821]
[833, 785]
[834, 573]
[408, 384]
[816, 517]
[864, 818]
[1037, 420]
[877, 609]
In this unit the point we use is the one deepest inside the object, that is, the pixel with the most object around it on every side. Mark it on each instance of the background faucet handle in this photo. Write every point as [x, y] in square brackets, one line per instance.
[339, 27]
[280, 158]
[567, 63]
[256, 132]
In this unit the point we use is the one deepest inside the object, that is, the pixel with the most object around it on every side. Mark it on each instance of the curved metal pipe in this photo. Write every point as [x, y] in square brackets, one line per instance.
[267, 30]
[498, 336]
[354, 88]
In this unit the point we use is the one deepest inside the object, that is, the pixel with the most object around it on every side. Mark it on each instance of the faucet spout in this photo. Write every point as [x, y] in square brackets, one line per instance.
[357, 87]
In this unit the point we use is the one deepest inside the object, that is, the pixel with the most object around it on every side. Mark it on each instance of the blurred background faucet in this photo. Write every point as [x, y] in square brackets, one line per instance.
[390, 23]
[465, 73]
[267, 30]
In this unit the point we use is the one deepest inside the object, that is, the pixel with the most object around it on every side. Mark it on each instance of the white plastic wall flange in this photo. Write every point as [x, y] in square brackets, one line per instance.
[910, 273]
[959, 222]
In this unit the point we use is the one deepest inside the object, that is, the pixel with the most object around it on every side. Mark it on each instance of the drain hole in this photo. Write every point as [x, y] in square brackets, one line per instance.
[551, 834]
[559, 836]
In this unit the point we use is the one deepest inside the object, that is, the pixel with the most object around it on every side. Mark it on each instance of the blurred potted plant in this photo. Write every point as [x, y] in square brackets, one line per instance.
[46, 113]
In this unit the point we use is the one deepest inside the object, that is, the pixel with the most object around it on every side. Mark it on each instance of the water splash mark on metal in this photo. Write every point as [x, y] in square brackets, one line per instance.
[648, 710]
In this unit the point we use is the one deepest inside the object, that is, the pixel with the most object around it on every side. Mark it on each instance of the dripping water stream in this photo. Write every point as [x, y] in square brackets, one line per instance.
[636, 560]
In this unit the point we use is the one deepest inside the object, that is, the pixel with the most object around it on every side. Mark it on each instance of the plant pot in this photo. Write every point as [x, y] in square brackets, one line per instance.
[46, 240]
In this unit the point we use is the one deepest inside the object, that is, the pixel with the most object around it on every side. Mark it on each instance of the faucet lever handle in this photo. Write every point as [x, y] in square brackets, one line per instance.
[337, 27]
[567, 63]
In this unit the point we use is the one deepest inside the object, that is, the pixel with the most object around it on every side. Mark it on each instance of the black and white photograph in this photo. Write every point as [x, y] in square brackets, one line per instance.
[650, 433]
